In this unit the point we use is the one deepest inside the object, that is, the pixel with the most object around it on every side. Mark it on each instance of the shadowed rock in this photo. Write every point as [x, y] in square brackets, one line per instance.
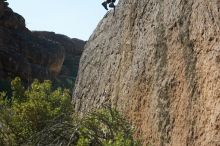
[33, 54]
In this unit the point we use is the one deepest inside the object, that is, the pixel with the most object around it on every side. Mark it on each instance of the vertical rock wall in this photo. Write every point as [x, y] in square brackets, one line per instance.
[158, 61]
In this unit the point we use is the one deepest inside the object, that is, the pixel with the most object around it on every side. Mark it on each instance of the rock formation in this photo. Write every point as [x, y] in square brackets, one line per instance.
[22, 53]
[73, 49]
[159, 63]
[33, 54]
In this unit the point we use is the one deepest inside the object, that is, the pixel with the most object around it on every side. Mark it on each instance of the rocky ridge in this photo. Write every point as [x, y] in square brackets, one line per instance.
[158, 62]
[34, 54]
[73, 49]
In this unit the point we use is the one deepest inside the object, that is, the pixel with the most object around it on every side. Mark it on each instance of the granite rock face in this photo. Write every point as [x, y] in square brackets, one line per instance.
[159, 63]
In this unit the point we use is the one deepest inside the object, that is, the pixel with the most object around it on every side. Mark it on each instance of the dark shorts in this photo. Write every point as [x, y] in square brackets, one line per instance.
[109, 1]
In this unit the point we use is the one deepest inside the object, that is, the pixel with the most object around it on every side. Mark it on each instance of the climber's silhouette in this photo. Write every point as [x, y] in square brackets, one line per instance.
[111, 5]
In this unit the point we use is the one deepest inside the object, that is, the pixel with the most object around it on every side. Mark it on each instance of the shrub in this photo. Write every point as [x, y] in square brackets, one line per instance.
[29, 111]
[103, 127]
[41, 115]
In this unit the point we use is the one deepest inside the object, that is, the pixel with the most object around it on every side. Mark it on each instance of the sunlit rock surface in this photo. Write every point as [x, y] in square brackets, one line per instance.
[159, 63]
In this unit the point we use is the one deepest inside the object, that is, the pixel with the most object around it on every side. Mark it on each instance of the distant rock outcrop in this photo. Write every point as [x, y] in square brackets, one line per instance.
[73, 50]
[33, 54]
[158, 61]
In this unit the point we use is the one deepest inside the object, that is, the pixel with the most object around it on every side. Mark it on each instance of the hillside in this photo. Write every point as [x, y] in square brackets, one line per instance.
[158, 62]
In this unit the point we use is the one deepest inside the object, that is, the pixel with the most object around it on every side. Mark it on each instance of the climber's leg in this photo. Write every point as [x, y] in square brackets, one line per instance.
[104, 4]
[111, 5]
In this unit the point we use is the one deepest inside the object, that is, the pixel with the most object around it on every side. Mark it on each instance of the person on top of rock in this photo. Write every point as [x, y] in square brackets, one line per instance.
[111, 5]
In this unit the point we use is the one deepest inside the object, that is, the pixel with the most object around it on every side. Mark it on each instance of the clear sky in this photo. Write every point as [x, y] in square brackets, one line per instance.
[74, 18]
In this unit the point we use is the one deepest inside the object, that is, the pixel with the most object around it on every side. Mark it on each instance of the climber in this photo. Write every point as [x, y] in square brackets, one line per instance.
[111, 5]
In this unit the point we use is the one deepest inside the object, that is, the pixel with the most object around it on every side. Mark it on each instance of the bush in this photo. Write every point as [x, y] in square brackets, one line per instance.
[29, 111]
[40, 115]
[103, 127]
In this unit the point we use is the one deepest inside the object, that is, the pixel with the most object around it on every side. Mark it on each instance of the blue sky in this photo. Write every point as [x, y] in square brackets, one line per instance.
[74, 18]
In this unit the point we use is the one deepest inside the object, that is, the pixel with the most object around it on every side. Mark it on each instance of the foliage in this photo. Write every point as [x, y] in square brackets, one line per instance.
[6, 136]
[41, 115]
[29, 110]
[103, 127]
[64, 82]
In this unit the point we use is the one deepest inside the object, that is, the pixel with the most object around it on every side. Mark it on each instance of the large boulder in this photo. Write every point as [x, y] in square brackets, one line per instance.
[157, 61]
